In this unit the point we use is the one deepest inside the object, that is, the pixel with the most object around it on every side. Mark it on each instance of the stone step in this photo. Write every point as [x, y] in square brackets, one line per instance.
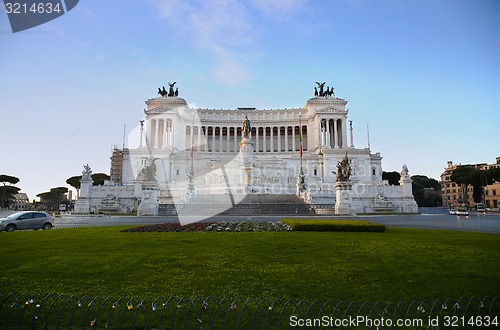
[251, 204]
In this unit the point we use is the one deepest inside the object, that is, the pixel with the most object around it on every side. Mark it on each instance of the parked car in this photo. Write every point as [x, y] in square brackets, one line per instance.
[27, 220]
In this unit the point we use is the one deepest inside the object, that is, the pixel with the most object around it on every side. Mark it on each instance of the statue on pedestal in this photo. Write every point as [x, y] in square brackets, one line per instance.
[329, 91]
[246, 127]
[171, 89]
[87, 172]
[404, 172]
[343, 188]
[163, 92]
[344, 169]
[321, 86]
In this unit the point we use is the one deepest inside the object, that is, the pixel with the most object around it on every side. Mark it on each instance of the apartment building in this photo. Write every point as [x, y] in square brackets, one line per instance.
[453, 193]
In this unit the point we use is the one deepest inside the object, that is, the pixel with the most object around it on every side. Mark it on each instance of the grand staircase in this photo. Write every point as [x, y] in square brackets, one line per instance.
[250, 204]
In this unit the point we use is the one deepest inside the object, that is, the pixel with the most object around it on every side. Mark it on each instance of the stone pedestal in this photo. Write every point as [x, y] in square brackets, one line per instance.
[408, 204]
[82, 205]
[301, 183]
[246, 152]
[343, 204]
[149, 199]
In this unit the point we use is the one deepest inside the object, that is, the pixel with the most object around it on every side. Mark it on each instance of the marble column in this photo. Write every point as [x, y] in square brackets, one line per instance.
[335, 133]
[213, 138]
[272, 139]
[279, 138]
[257, 139]
[329, 142]
[264, 136]
[286, 138]
[344, 133]
[157, 134]
[199, 138]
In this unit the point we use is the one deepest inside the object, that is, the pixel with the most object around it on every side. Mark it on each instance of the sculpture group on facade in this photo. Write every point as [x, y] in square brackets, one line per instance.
[163, 92]
[328, 93]
[148, 171]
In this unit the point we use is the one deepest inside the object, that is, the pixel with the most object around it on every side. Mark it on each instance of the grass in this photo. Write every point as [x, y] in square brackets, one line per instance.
[387, 213]
[398, 265]
[333, 225]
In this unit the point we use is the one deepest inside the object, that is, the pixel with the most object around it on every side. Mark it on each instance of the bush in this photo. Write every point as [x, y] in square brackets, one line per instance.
[334, 225]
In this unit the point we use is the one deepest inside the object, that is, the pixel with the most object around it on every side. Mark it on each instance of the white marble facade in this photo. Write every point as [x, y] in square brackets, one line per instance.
[206, 142]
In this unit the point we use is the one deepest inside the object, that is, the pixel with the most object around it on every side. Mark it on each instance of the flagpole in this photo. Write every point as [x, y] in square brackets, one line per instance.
[191, 172]
[192, 146]
[300, 136]
[300, 179]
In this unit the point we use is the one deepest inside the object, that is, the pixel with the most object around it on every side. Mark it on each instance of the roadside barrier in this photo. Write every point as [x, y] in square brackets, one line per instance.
[33, 311]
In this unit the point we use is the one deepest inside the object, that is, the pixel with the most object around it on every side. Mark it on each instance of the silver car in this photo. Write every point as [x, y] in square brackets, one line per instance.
[27, 220]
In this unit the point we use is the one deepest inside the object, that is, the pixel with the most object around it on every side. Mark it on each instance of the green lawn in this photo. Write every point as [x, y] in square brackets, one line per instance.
[398, 265]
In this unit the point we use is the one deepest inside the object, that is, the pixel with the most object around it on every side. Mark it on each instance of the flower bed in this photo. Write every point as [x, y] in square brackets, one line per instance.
[244, 226]
[170, 227]
[223, 226]
[256, 226]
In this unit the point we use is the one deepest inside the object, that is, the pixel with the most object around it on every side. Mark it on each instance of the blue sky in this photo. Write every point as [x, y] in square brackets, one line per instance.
[424, 75]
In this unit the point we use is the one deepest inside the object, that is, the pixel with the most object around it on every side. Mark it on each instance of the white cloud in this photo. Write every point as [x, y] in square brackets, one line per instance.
[87, 14]
[279, 9]
[225, 28]
[229, 70]
[223, 22]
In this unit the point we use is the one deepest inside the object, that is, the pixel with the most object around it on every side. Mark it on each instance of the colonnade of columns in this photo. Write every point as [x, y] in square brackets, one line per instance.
[218, 138]
[332, 133]
[160, 133]
[227, 138]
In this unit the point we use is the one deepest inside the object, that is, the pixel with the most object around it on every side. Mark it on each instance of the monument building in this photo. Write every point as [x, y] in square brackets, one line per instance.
[221, 158]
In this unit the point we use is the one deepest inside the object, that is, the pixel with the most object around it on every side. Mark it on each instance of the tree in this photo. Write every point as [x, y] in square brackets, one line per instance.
[392, 177]
[99, 178]
[74, 181]
[7, 193]
[426, 191]
[8, 179]
[489, 176]
[468, 175]
[54, 197]
[7, 190]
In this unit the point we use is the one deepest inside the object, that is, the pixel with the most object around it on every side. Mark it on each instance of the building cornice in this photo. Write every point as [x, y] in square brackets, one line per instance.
[165, 101]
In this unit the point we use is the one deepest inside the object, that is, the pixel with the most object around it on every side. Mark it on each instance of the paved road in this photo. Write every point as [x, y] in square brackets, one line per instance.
[431, 218]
